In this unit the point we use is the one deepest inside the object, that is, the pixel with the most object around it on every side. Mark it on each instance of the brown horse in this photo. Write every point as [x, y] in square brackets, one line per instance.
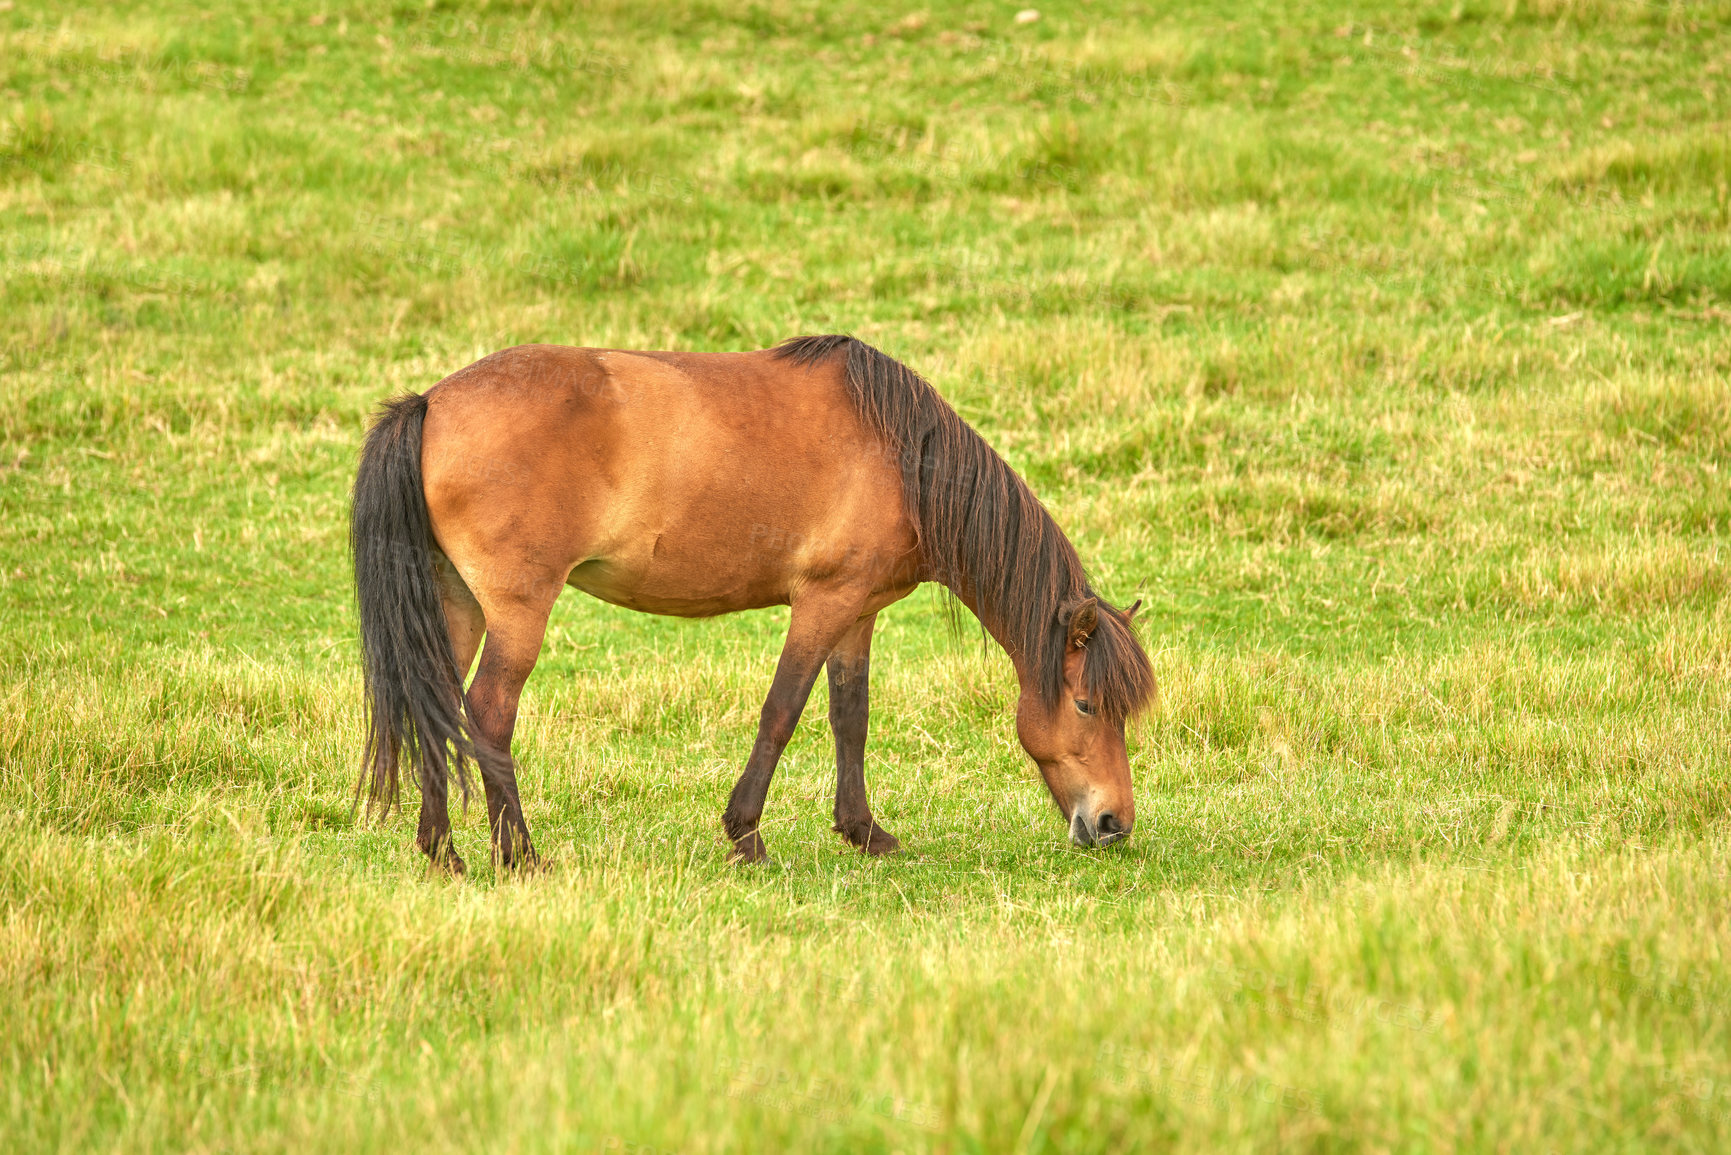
[819, 474]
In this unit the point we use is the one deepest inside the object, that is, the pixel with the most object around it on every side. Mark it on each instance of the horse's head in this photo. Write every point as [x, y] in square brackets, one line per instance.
[1078, 741]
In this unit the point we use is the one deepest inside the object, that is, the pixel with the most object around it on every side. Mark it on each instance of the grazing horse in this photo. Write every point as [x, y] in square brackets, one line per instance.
[820, 474]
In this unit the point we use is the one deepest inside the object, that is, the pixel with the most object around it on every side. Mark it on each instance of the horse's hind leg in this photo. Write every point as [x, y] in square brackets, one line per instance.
[465, 623]
[433, 834]
[849, 707]
[516, 623]
[464, 620]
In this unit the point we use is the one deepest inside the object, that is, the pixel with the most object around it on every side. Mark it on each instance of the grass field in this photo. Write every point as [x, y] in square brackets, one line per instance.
[1382, 349]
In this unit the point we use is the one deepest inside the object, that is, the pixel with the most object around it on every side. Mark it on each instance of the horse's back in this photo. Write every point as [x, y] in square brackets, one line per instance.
[686, 483]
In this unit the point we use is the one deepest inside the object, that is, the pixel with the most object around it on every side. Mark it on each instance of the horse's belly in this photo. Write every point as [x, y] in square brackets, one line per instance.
[662, 585]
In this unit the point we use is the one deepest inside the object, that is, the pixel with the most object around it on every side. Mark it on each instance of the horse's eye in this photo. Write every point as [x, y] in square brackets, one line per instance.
[1085, 706]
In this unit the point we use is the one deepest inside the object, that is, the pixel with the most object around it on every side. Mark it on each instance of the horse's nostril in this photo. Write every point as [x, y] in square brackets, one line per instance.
[1108, 824]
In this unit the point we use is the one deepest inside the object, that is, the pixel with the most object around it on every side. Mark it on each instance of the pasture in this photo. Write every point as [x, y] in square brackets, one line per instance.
[1381, 348]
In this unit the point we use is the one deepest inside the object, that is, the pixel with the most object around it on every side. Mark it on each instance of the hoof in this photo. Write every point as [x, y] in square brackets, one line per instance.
[519, 863]
[442, 858]
[869, 837]
[881, 841]
[449, 864]
[517, 854]
[748, 848]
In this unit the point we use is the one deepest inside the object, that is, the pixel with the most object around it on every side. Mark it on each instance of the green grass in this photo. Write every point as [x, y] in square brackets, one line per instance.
[1381, 349]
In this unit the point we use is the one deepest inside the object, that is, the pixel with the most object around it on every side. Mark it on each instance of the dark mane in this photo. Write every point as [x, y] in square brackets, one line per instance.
[984, 533]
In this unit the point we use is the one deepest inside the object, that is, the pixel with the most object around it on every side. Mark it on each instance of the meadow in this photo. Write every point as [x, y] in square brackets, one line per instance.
[1381, 349]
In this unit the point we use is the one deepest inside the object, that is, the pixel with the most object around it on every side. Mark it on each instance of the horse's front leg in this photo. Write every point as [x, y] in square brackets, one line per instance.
[819, 619]
[849, 708]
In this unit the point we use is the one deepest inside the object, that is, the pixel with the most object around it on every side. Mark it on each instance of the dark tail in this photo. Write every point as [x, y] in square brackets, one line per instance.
[415, 707]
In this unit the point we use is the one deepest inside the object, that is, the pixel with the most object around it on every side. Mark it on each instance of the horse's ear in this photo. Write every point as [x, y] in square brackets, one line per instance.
[1084, 618]
[1130, 614]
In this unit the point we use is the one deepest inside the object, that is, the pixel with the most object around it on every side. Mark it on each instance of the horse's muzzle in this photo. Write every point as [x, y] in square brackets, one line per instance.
[1104, 830]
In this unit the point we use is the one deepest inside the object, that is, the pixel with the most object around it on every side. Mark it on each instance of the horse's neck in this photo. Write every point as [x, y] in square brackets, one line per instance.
[1006, 634]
